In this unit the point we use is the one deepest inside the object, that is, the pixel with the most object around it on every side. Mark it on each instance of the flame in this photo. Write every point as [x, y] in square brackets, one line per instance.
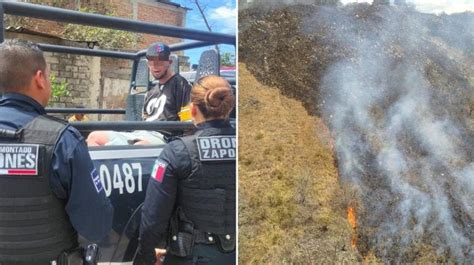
[351, 217]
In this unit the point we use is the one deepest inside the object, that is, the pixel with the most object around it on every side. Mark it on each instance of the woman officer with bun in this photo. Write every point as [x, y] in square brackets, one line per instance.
[189, 208]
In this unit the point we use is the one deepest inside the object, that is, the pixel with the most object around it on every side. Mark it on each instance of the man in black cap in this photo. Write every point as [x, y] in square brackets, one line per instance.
[162, 102]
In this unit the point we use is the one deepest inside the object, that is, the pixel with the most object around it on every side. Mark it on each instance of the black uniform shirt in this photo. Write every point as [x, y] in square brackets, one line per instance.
[164, 101]
[73, 173]
[175, 163]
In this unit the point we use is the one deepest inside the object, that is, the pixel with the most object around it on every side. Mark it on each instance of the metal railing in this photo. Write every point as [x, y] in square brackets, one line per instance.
[133, 125]
[201, 39]
[76, 17]
[85, 110]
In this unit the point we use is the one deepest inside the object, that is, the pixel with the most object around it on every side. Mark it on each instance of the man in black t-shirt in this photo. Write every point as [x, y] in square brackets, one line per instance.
[162, 103]
[164, 100]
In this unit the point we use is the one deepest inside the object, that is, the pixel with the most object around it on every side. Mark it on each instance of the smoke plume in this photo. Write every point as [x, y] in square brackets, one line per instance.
[402, 140]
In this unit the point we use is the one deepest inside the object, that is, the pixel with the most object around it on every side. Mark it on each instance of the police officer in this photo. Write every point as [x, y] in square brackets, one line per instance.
[49, 188]
[189, 207]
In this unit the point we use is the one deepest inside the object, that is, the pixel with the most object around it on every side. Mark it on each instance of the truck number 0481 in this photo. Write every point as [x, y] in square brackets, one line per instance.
[116, 181]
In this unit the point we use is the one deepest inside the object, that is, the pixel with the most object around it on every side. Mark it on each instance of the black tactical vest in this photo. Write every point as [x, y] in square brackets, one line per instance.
[207, 196]
[34, 227]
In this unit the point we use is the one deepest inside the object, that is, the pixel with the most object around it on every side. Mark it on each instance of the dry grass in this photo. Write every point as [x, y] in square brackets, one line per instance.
[291, 207]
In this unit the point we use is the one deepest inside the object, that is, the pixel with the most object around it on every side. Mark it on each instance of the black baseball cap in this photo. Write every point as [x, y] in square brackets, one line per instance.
[160, 50]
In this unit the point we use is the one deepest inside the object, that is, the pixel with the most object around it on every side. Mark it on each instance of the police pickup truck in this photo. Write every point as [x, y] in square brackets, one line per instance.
[125, 170]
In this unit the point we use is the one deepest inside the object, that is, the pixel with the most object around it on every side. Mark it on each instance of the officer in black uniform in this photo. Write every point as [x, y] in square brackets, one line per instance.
[49, 188]
[189, 207]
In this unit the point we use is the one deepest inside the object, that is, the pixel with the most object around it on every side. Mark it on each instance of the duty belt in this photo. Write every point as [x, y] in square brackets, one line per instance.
[227, 241]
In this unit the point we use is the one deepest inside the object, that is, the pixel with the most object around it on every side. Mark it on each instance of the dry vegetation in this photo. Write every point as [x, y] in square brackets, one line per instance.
[306, 47]
[291, 208]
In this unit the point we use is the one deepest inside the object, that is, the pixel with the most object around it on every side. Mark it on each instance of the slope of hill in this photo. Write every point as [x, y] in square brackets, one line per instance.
[293, 47]
[396, 89]
[291, 208]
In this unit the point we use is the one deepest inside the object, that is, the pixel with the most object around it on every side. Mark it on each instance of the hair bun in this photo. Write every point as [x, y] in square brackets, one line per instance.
[215, 97]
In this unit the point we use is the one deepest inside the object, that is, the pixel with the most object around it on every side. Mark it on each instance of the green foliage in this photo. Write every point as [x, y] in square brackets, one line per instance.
[58, 89]
[227, 59]
[18, 21]
[107, 38]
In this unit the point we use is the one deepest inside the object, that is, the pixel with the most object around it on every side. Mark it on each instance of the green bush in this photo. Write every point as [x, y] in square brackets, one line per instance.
[58, 88]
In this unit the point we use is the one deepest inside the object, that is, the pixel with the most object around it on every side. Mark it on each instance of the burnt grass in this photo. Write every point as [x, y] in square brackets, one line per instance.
[280, 51]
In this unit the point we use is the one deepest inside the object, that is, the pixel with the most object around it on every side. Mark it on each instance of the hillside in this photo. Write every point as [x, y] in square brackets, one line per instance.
[293, 47]
[395, 87]
[291, 208]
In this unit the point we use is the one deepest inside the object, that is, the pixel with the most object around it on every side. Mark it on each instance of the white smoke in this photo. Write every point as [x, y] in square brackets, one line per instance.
[396, 136]
[430, 6]
[425, 6]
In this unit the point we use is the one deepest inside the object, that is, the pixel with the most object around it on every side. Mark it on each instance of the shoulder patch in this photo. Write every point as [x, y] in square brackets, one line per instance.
[19, 159]
[216, 148]
[158, 171]
[96, 180]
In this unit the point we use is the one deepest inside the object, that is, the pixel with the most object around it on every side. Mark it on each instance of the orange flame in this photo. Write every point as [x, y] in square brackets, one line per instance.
[351, 216]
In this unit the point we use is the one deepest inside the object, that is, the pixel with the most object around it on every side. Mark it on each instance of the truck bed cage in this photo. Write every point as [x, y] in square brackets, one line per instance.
[199, 39]
[76, 17]
[84, 110]
[133, 125]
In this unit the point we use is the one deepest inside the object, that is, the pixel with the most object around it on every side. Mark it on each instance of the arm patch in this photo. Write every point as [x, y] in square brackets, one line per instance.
[158, 171]
[96, 179]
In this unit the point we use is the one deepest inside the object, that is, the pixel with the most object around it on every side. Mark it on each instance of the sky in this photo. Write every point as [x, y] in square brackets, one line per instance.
[222, 17]
[434, 6]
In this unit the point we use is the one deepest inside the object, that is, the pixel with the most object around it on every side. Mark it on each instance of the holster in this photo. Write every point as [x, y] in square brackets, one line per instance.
[226, 243]
[91, 254]
[73, 256]
[79, 256]
[181, 241]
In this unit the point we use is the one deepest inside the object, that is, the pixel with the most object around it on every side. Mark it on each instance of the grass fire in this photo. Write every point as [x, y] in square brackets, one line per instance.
[390, 91]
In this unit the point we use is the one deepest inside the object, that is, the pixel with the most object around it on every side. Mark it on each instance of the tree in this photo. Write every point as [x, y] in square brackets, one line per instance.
[203, 15]
[107, 38]
[227, 59]
[58, 88]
